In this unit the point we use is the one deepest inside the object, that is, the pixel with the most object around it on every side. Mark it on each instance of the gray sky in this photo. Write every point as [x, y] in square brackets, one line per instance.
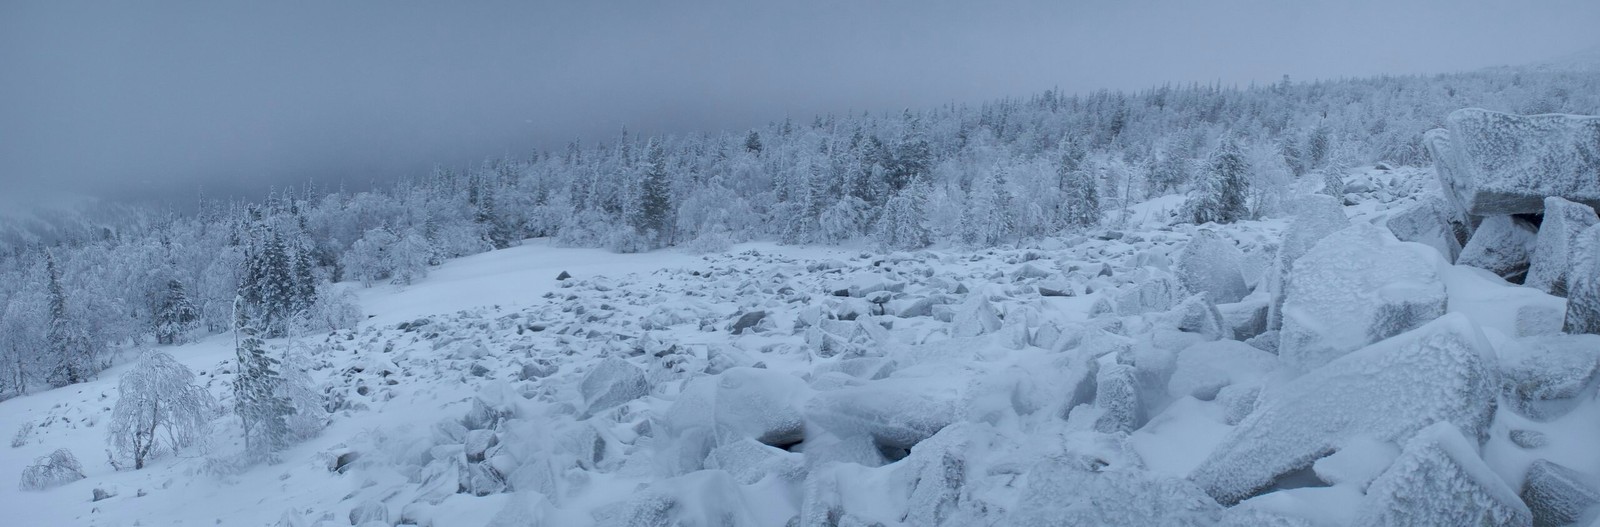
[138, 97]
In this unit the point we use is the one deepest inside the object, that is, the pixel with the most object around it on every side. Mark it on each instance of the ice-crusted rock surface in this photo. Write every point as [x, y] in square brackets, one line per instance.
[1210, 264]
[1315, 218]
[1502, 245]
[1544, 377]
[1205, 368]
[1559, 234]
[1433, 222]
[1583, 285]
[1557, 495]
[1062, 493]
[1356, 287]
[1499, 163]
[1443, 371]
[1439, 480]
[612, 382]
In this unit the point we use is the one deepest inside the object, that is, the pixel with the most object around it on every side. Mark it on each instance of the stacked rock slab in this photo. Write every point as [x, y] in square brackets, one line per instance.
[1558, 240]
[1433, 222]
[1492, 163]
[1583, 285]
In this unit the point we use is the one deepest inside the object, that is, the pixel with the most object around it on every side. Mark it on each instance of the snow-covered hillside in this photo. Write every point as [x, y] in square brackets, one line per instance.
[1070, 382]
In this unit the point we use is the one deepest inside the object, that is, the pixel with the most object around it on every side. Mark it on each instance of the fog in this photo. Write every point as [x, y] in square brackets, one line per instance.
[171, 98]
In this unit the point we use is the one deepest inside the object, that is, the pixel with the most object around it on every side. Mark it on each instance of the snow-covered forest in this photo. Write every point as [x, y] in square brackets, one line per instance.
[1346, 302]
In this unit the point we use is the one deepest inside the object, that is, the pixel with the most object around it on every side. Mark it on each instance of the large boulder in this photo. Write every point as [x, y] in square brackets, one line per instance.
[612, 382]
[1433, 222]
[1443, 371]
[896, 414]
[1496, 163]
[1439, 480]
[1206, 368]
[1545, 377]
[1564, 221]
[759, 404]
[1211, 264]
[1356, 287]
[1159, 292]
[1317, 217]
[1502, 245]
[1117, 396]
[1583, 285]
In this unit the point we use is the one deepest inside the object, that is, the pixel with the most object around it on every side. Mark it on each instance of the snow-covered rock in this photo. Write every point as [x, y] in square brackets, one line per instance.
[976, 316]
[1211, 264]
[1063, 493]
[1557, 495]
[1356, 287]
[1439, 480]
[1156, 293]
[1205, 368]
[1502, 245]
[1117, 396]
[894, 414]
[1316, 217]
[1432, 222]
[1564, 221]
[612, 382]
[1543, 377]
[1443, 371]
[1583, 285]
[1500, 163]
[759, 404]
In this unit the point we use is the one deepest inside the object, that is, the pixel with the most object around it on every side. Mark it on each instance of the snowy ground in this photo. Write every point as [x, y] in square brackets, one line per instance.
[1029, 386]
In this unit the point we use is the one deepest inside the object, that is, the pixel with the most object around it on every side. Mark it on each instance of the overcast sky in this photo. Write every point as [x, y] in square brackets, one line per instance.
[138, 97]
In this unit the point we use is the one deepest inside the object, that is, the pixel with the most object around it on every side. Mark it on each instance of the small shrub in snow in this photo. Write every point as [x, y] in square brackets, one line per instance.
[60, 467]
[24, 432]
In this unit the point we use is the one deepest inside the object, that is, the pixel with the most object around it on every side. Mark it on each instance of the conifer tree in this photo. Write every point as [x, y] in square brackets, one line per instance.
[1080, 194]
[71, 354]
[257, 389]
[176, 317]
[1220, 195]
[653, 214]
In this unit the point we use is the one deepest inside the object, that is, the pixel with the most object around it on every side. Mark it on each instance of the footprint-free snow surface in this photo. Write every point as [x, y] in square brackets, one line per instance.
[1083, 380]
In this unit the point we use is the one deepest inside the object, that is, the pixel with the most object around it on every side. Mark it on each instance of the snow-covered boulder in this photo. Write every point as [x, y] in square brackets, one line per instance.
[1443, 371]
[759, 404]
[1117, 396]
[1317, 217]
[1583, 285]
[1557, 495]
[612, 382]
[1564, 221]
[1500, 163]
[1544, 377]
[1211, 264]
[894, 413]
[1063, 493]
[1197, 314]
[1159, 292]
[976, 316]
[1502, 245]
[1205, 368]
[1356, 287]
[1440, 480]
[1432, 222]
[369, 511]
